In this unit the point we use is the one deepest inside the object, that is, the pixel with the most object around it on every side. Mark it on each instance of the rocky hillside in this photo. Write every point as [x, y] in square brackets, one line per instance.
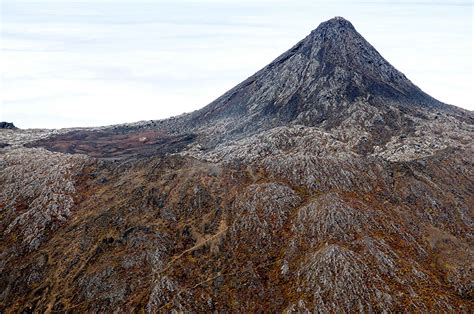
[326, 182]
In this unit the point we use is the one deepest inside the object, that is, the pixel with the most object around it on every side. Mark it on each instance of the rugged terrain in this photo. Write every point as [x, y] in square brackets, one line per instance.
[326, 182]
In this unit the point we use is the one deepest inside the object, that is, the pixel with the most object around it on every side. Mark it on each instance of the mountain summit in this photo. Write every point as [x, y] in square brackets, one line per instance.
[326, 182]
[323, 80]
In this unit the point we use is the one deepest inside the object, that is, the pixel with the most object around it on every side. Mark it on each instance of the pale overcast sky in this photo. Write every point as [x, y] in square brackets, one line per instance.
[97, 62]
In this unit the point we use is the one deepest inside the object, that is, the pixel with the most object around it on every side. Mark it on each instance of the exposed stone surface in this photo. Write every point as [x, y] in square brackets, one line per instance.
[37, 192]
[7, 125]
[326, 182]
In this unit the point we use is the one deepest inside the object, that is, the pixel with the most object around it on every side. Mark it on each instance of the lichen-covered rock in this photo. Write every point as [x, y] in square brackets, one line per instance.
[330, 218]
[260, 213]
[337, 279]
[38, 187]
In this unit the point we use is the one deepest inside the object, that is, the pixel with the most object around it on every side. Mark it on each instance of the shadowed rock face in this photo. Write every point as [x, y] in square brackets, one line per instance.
[326, 182]
[7, 125]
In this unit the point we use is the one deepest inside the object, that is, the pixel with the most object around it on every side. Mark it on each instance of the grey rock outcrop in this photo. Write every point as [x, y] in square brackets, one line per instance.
[7, 125]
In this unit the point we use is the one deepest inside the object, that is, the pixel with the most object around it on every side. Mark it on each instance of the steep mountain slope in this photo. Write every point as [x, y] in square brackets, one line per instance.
[325, 182]
[314, 82]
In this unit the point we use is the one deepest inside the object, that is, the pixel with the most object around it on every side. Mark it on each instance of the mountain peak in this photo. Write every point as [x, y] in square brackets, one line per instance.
[337, 23]
[340, 44]
[336, 43]
[320, 81]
